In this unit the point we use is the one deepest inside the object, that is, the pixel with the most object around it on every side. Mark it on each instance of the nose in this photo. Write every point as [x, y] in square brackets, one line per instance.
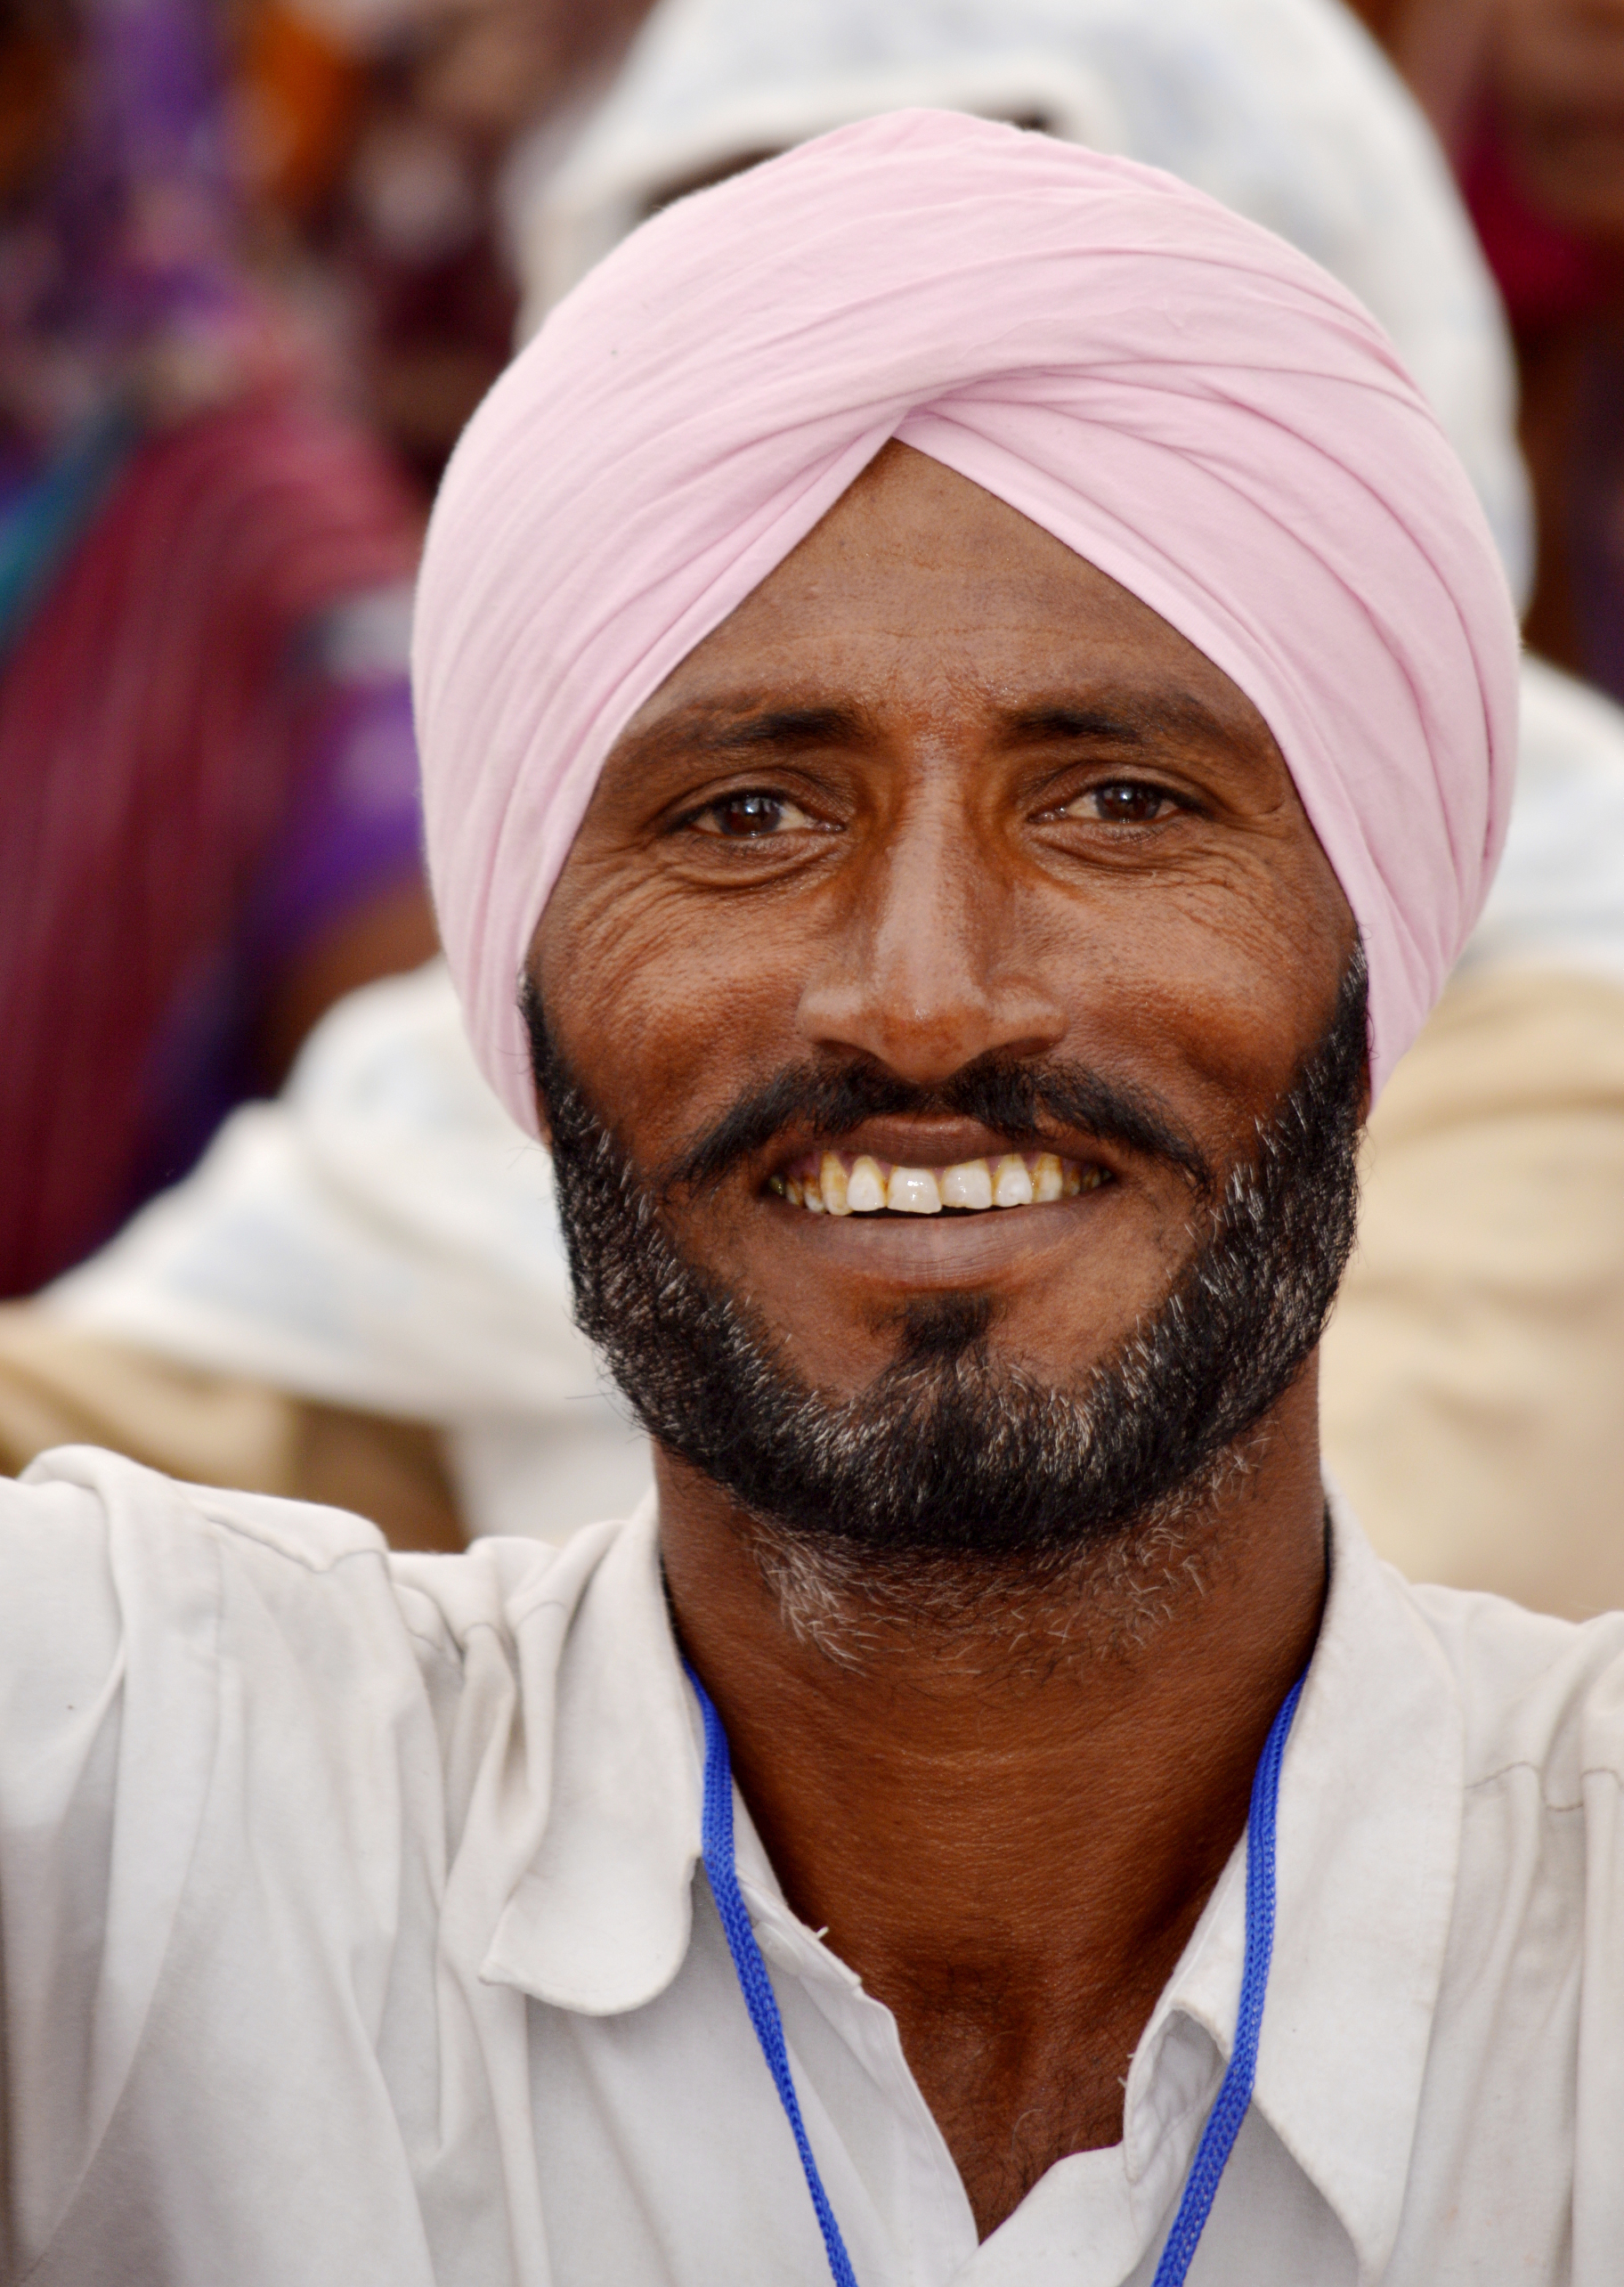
[929, 965]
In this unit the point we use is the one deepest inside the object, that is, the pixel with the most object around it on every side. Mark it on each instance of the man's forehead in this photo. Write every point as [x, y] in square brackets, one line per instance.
[920, 585]
[910, 518]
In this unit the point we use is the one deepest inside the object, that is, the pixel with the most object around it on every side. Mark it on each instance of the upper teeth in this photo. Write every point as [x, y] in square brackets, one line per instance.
[835, 1184]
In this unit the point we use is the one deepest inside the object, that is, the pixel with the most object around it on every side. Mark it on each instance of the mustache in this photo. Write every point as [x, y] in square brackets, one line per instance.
[1012, 1097]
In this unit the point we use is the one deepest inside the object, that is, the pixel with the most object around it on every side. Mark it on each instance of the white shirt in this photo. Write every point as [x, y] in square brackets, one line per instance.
[350, 1934]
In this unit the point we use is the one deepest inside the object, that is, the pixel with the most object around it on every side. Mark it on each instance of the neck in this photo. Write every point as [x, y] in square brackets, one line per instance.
[1008, 1807]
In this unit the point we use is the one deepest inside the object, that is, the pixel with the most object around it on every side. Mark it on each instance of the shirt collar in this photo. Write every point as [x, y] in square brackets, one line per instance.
[600, 1919]
[1370, 1822]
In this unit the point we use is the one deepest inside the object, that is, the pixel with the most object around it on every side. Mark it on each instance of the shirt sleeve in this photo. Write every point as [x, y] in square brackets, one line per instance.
[101, 1793]
[219, 1857]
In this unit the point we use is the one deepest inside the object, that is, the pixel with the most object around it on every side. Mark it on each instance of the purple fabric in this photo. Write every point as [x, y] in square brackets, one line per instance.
[357, 830]
[355, 834]
[143, 201]
[127, 277]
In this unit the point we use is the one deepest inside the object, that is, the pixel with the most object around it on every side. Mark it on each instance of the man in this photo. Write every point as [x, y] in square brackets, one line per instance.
[360, 1296]
[950, 989]
[1469, 1379]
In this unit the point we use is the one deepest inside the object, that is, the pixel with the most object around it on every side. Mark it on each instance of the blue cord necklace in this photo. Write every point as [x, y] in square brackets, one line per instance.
[1223, 2122]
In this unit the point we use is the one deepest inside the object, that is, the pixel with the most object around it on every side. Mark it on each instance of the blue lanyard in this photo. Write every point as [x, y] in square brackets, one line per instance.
[1223, 2122]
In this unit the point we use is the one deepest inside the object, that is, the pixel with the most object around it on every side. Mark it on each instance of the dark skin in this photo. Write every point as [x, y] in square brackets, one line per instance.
[939, 786]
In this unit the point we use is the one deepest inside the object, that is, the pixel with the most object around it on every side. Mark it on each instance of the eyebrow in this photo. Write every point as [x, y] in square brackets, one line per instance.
[1130, 719]
[721, 731]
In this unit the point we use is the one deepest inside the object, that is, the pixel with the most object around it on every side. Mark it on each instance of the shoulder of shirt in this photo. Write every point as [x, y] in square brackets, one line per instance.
[1537, 1694]
[300, 1533]
[291, 1547]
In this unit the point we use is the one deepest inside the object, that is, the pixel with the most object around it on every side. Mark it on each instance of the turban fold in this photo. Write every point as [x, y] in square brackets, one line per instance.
[1171, 391]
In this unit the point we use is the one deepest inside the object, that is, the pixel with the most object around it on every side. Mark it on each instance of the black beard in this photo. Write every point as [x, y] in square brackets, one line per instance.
[947, 1455]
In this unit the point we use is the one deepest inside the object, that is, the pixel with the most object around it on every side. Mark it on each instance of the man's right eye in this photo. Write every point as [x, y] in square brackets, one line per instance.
[749, 816]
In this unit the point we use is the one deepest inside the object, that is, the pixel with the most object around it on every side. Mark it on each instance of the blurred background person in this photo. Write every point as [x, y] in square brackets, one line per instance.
[386, 143]
[1528, 99]
[207, 771]
[1471, 1377]
[243, 242]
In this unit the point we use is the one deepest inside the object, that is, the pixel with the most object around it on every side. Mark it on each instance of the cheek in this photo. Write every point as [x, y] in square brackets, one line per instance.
[1205, 989]
[668, 1007]
[1207, 992]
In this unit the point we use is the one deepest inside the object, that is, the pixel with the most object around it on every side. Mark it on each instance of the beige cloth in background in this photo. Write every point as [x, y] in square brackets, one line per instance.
[62, 1387]
[1473, 1377]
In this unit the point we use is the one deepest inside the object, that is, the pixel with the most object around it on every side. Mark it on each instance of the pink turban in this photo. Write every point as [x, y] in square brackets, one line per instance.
[1173, 393]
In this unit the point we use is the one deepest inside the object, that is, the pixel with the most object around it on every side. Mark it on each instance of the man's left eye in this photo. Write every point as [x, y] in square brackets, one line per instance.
[750, 816]
[1123, 801]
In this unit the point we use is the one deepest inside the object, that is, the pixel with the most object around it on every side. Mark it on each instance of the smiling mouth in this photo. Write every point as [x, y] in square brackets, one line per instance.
[837, 1182]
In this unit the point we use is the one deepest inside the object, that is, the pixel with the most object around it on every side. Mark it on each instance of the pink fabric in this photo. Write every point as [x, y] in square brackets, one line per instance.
[1173, 391]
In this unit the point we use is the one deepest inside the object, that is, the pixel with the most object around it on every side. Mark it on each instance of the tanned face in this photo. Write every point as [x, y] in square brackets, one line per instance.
[941, 802]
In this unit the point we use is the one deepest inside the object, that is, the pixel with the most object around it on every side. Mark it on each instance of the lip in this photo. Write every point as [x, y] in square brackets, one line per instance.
[918, 1253]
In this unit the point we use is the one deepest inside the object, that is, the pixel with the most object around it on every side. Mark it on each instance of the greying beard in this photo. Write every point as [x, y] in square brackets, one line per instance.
[952, 1490]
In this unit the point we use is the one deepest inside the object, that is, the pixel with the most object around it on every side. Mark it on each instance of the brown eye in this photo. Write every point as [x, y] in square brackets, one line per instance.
[1122, 801]
[750, 816]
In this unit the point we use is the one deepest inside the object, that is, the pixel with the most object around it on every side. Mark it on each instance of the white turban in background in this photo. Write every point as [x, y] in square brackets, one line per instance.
[1173, 393]
[1286, 111]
